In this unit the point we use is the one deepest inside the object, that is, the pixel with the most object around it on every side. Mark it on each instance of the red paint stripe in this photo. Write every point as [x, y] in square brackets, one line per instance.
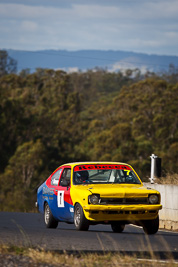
[101, 167]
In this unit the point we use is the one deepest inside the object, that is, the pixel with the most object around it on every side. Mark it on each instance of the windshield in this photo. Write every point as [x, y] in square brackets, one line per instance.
[104, 174]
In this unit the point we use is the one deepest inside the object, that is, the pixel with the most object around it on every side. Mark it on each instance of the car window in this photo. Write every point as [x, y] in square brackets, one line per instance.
[65, 177]
[55, 177]
[104, 174]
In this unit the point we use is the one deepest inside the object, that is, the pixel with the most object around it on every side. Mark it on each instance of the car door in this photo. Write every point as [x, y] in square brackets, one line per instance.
[53, 183]
[63, 208]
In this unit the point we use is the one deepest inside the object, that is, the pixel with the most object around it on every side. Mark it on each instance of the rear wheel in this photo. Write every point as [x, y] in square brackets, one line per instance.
[117, 227]
[49, 220]
[81, 223]
[151, 227]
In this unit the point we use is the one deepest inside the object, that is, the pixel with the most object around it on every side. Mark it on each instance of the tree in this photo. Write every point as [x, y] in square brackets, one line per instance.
[21, 177]
[7, 64]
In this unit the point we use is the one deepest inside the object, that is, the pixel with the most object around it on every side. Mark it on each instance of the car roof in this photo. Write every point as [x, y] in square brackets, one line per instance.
[73, 164]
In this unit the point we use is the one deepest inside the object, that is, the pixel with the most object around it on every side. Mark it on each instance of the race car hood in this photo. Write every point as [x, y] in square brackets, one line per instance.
[120, 191]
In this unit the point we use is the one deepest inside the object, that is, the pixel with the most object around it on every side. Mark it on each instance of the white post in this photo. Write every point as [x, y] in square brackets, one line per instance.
[153, 157]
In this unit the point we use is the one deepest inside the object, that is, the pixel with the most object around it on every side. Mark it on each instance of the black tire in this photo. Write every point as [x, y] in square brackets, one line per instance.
[49, 220]
[81, 223]
[151, 227]
[117, 227]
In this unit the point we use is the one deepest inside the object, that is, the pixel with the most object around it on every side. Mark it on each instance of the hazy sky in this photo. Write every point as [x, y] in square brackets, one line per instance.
[148, 26]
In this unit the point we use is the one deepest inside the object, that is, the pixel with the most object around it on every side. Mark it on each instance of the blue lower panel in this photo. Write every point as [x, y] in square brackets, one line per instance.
[65, 214]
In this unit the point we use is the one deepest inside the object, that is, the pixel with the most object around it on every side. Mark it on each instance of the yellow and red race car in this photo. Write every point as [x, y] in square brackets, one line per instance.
[86, 193]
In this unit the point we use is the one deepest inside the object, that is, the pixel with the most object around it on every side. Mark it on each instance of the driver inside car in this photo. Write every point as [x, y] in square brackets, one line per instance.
[81, 177]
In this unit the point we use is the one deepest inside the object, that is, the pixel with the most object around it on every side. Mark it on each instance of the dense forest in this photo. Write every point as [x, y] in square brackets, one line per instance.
[50, 117]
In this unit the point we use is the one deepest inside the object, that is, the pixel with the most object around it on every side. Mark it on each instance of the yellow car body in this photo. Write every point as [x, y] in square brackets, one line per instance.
[120, 212]
[115, 212]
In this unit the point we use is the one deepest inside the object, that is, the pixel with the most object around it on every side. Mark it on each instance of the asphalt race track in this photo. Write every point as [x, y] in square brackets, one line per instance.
[28, 229]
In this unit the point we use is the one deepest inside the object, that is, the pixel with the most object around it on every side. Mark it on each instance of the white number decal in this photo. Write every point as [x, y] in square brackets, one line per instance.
[60, 199]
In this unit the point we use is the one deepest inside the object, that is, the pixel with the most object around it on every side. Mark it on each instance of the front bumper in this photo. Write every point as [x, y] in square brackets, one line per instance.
[121, 212]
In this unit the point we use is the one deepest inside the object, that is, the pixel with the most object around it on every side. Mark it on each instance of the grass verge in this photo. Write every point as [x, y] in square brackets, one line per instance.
[40, 257]
[170, 178]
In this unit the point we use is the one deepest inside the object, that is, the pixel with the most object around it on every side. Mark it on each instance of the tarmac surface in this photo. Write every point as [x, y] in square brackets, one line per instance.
[28, 229]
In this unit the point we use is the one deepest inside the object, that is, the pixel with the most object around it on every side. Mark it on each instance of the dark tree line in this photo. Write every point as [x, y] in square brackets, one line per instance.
[49, 117]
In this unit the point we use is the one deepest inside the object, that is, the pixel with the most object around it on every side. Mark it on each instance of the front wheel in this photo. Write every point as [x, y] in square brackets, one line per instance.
[117, 227]
[151, 227]
[81, 223]
[49, 220]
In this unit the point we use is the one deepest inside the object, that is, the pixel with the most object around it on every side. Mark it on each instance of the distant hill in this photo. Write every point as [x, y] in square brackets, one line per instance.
[90, 59]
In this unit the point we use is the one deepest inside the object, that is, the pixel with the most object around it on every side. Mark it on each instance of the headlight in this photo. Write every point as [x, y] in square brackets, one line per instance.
[94, 199]
[153, 199]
